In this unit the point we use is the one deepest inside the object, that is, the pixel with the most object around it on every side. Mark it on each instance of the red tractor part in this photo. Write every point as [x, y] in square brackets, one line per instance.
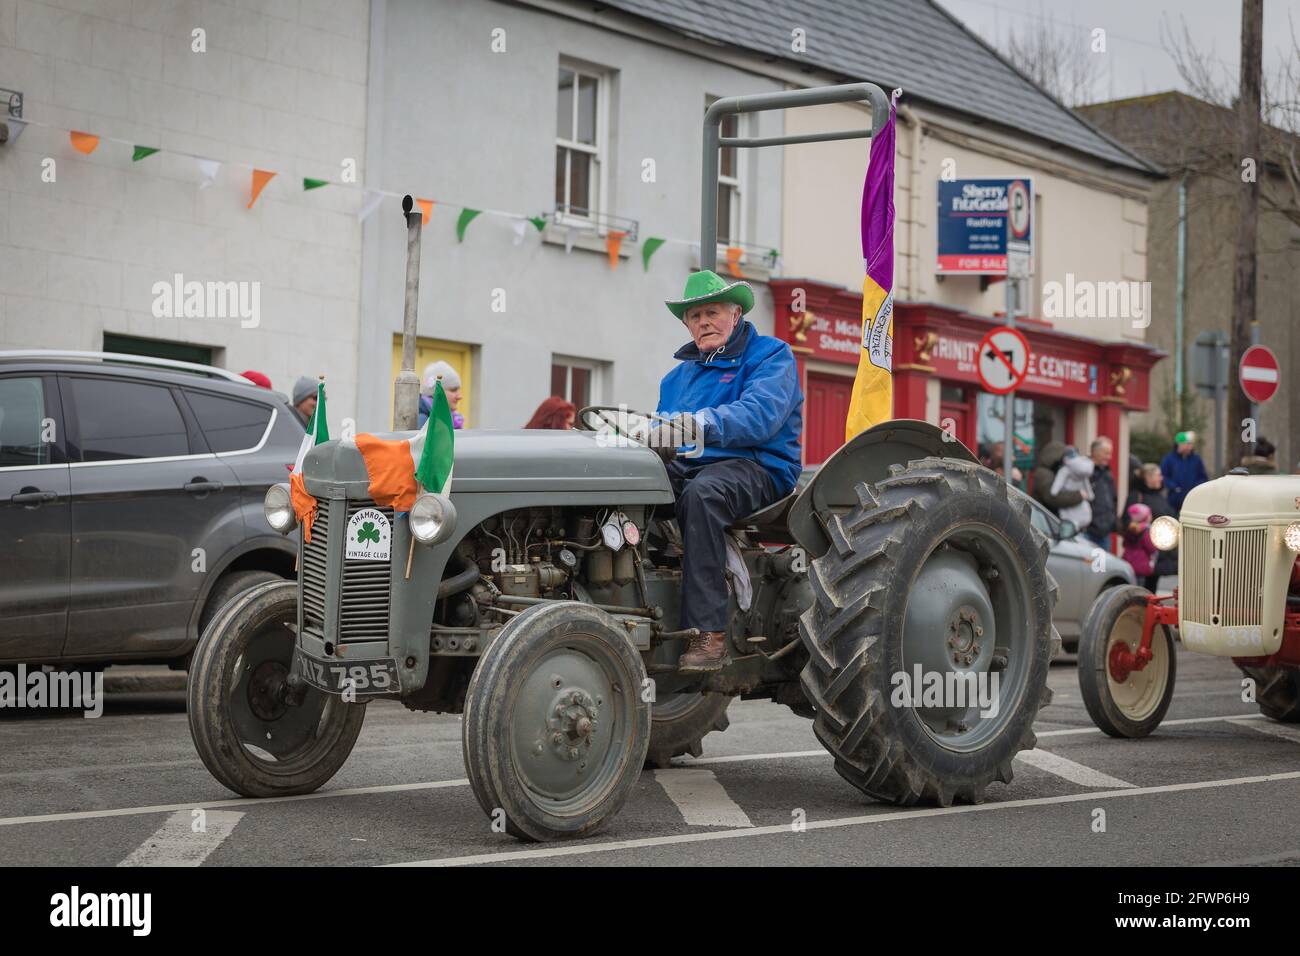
[1160, 609]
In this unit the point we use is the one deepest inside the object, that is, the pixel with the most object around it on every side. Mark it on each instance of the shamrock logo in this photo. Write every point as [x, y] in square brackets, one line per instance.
[367, 532]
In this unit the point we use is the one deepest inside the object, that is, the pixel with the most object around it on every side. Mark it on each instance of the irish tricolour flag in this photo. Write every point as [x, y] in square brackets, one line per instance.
[873, 388]
[399, 468]
[304, 505]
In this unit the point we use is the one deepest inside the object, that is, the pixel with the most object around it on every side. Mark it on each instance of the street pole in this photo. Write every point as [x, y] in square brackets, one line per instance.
[1244, 328]
[406, 388]
[1009, 408]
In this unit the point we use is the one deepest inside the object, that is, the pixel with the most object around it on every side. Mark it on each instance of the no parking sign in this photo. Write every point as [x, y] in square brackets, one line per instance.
[1003, 360]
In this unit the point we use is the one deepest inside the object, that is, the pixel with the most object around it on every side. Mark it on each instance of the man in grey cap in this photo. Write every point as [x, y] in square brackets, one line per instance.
[304, 399]
[450, 388]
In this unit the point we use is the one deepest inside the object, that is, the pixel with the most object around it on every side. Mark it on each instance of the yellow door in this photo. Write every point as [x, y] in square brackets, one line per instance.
[455, 354]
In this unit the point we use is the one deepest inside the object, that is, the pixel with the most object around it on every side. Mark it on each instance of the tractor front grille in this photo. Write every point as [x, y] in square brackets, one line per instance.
[1221, 574]
[361, 610]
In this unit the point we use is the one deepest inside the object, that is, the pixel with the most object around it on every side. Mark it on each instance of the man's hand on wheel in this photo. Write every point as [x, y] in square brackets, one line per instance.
[683, 429]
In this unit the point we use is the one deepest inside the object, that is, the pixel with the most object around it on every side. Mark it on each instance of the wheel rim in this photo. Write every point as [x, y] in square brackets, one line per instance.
[271, 732]
[567, 721]
[1137, 695]
[967, 630]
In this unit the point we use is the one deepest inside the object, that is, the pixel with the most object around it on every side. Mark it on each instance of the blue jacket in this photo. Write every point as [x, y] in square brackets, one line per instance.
[747, 399]
[1182, 475]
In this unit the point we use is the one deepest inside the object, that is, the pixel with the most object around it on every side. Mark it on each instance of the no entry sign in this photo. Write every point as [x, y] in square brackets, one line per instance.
[1259, 373]
[1003, 360]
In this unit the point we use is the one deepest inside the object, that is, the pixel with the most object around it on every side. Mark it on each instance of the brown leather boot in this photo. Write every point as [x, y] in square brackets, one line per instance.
[707, 652]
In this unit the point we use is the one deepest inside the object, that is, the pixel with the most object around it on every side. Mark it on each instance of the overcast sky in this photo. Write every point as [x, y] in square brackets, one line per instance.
[1135, 61]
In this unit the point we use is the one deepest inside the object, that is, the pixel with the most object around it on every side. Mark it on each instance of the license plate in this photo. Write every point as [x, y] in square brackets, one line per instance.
[364, 678]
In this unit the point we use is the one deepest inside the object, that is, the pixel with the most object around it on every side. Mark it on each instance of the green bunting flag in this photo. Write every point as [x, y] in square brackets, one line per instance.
[466, 217]
[142, 151]
[433, 470]
[648, 249]
[539, 222]
[313, 183]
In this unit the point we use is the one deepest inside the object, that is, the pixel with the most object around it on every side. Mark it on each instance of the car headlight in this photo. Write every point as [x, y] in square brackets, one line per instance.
[1164, 533]
[278, 508]
[432, 519]
[1292, 536]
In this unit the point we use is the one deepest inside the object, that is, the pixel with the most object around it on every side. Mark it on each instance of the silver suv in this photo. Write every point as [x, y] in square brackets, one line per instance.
[131, 503]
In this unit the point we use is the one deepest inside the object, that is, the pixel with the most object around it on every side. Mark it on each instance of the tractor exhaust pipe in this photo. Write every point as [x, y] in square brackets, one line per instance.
[406, 387]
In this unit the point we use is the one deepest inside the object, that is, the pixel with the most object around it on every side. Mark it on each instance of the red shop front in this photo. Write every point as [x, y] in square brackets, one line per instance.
[1077, 388]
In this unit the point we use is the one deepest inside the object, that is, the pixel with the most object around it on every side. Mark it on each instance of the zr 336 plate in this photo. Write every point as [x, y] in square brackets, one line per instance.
[368, 678]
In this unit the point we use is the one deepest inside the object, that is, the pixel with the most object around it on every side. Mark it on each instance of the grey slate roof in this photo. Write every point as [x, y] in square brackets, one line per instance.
[914, 44]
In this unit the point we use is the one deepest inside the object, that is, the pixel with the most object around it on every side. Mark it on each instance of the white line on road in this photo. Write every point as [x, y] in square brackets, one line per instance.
[885, 816]
[701, 798]
[1274, 729]
[177, 844]
[1069, 770]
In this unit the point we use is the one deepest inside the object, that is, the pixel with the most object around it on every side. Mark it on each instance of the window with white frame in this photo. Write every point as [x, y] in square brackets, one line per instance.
[576, 380]
[580, 138]
[730, 225]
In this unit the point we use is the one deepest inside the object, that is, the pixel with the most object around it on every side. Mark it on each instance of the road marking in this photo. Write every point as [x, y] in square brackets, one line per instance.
[885, 816]
[701, 798]
[177, 844]
[1274, 729]
[440, 784]
[1069, 770]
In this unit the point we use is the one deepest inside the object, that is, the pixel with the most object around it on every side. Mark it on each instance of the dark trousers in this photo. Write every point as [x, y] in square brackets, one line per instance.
[710, 498]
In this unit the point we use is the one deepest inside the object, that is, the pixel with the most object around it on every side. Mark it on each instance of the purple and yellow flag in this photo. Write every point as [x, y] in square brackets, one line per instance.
[873, 389]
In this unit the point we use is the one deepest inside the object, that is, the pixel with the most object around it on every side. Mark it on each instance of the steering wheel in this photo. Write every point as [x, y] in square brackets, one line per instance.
[628, 426]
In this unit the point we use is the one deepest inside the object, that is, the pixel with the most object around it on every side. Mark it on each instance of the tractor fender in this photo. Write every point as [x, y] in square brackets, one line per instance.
[866, 458]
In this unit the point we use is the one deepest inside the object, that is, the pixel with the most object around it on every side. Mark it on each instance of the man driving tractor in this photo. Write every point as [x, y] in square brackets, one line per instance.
[736, 396]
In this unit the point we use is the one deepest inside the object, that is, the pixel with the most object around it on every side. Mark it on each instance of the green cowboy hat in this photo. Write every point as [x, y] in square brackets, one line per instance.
[708, 286]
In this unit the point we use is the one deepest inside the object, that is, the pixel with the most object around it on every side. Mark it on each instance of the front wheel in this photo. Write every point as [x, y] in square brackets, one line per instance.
[1120, 701]
[555, 730]
[249, 736]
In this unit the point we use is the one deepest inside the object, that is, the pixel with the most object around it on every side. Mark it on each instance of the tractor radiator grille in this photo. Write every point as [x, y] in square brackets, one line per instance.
[363, 605]
[1220, 576]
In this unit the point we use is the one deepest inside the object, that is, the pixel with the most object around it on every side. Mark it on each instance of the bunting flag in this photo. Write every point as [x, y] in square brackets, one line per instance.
[570, 234]
[733, 260]
[371, 201]
[208, 169]
[141, 152]
[613, 241]
[426, 210]
[466, 217]
[83, 142]
[304, 504]
[648, 249]
[539, 223]
[16, 127]
[313, 183]
[260, 178]
[398, 468]
[873, 387]
[520, 226]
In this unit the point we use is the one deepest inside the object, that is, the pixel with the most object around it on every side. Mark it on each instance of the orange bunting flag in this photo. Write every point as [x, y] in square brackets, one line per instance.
[260, 178]
[733, 260]
[426, 209]
[612, 244]
[84, 142]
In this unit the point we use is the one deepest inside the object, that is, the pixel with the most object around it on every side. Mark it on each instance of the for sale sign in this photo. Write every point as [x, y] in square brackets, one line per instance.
[973, 223]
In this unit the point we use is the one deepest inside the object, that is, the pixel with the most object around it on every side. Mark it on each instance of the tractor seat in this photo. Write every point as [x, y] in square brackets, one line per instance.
[770, 518]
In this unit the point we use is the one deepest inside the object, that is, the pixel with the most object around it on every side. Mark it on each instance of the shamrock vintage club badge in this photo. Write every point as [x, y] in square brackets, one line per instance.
[370, 536]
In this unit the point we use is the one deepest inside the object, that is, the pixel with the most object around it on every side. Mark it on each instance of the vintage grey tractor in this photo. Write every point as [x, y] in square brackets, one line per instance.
[540, 601]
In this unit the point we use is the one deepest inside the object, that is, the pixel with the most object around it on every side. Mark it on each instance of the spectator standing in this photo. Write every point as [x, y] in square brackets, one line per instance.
[1105, 497]
[304, 399]
[1148, 489]
[1183, 470]
[1049, 461]
[553, 413]
[450, 388]
[1263, 461]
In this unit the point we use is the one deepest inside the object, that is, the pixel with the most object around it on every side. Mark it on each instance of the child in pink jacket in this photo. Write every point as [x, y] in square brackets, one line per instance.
[1138, 549]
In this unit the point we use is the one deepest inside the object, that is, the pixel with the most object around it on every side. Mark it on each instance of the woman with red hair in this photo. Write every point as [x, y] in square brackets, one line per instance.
[553, 413]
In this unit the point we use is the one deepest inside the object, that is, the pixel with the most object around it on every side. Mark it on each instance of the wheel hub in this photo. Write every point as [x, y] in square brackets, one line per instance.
[572, 723]
[266, 690]
[965, 629]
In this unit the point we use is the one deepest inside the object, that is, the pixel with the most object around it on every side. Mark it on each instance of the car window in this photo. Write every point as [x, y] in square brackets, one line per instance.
[120, 419]
[1041, 521]
[228, 423]
[22, 416]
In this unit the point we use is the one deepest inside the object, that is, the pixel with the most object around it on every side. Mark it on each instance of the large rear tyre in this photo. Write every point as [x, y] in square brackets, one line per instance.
[1277, 691]
[248, 735]
[1124, 703]
[936, 571]
[680, 722]
[555, 732]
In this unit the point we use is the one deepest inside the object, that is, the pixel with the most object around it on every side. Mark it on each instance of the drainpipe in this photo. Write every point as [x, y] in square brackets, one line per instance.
[1179, 297]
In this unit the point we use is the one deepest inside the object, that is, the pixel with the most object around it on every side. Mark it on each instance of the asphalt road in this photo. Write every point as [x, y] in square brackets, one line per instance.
[1216, 784]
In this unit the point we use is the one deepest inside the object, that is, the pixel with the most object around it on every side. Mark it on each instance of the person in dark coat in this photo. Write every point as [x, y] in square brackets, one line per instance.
[1147, 488]
[1183, 469]
[1105, 506]
[1049, 459]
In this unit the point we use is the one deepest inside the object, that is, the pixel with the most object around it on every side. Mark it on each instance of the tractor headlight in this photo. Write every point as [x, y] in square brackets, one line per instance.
[1164, 533]
[278, 508]
[1292, 536]
[432, 519]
